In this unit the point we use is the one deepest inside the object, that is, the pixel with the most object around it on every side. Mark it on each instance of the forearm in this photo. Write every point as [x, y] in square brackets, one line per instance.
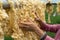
[51, 28]
[48, 27]
[39, 32]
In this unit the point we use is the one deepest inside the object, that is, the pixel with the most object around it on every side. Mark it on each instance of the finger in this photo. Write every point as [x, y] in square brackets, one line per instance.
[23, 26]
[37, 19]
[29, 20]
[36, 15]
[26, 23]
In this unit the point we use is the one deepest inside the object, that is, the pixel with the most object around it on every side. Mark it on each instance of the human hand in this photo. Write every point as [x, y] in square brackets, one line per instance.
[29, 25]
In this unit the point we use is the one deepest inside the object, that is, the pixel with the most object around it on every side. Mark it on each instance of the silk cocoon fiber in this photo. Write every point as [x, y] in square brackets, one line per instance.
[24, 9]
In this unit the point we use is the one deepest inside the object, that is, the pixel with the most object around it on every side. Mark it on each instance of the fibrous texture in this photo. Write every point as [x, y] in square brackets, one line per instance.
[3, 21]
[23, 10]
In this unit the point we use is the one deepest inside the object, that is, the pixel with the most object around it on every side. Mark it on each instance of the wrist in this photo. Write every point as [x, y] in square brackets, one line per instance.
[39, 32]
[43, 36]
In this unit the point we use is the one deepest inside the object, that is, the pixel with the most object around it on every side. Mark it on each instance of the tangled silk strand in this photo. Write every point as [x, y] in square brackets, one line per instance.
[25, 9]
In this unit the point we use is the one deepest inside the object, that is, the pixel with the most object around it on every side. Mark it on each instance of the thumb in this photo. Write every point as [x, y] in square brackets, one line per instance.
[37, 19]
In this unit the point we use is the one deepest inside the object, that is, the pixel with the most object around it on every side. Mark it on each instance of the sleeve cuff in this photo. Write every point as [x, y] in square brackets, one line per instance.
[43, 37]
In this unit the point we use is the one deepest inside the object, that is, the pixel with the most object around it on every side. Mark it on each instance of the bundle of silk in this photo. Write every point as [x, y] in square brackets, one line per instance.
[24, 9]
[27, 9]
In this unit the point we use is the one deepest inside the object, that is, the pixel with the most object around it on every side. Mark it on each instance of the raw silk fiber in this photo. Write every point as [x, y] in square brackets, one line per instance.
[24, 9]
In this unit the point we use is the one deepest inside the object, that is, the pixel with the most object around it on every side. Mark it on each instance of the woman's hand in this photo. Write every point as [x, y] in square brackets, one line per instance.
[37, 20]
[28, 25]
[31, 26]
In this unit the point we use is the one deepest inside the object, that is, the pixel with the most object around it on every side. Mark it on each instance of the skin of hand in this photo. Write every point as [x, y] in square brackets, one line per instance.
[31, 26]
[38, 21]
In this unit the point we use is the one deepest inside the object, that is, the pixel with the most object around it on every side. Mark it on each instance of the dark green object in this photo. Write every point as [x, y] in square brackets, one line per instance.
[8, 38]
[51, 34]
